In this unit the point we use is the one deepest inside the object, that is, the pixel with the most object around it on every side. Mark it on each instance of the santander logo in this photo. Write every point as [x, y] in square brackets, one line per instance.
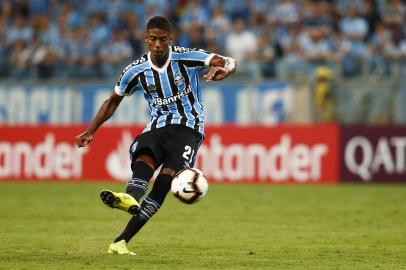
[118, 163]
[49, 158]
[280, 162]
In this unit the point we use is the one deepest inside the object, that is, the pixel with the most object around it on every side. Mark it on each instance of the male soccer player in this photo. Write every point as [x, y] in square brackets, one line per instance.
[168, 77]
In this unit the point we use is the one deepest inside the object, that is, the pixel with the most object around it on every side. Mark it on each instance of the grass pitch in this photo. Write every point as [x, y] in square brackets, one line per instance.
[65, 226]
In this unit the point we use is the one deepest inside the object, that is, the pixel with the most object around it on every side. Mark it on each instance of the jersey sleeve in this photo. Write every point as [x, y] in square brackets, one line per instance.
[194, 57]
[127, 83]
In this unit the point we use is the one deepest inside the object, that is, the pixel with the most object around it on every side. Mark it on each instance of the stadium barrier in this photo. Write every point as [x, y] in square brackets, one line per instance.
[229, 154]
[265, 103]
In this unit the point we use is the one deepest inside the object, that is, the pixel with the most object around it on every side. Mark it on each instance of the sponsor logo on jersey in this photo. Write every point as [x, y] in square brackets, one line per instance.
[172, 99]
[183, 49]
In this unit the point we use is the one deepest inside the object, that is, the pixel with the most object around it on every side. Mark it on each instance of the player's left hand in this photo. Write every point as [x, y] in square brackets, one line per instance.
[216, 74]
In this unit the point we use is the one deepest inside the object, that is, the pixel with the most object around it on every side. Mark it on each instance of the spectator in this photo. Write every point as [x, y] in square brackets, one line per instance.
[394, 52]
[3, 47]
[99, 31]
[114, 53]
[372, 16]
[394, 14]
[133, 35]
[291, 64]
[194, 17]
[19, 30]
[317, 18]
[315, 49]
[350, 31]
[355, 29]
[43, 60]
[195, 39]
[39, 7]
[81, 55]
[266, 57]
[219, 26]
[286, 12]
[95, 7]
[19, 60]
[241, 44]
[377, 62]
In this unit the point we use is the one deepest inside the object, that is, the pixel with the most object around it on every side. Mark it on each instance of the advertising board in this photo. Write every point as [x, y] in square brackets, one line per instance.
[231, 154]
[373, 154]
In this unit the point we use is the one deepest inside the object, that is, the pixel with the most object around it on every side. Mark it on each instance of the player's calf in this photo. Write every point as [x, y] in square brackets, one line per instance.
[138, 185]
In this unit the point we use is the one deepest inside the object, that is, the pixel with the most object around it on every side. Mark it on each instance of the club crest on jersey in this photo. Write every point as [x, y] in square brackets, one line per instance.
[179, 80]
[151, 88]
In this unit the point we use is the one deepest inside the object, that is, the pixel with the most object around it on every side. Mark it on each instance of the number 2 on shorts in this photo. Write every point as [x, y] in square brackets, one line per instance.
[188, 154]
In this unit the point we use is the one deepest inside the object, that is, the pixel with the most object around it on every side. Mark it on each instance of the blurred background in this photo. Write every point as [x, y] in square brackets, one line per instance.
[348, 55]
[319, 100]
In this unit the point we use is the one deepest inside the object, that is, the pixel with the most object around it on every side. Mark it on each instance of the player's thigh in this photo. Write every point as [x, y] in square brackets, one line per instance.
[181, 149]
[146, 144]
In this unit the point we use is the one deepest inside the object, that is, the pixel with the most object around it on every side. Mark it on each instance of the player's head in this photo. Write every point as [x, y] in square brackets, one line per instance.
[158, 35]
[160, 23]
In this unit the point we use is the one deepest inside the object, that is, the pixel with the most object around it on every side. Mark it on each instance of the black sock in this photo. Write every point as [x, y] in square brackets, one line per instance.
[161, 187]
[138, 185]
[149, 207]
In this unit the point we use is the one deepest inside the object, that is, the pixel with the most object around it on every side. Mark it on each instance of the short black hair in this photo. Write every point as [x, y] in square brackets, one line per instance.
[160, 23]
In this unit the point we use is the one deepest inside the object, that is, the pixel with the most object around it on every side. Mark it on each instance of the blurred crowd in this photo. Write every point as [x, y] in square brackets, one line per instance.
[269, 38]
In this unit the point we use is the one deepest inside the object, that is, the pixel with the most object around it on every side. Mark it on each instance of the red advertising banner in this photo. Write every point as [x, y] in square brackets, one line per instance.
[283, 154]
[373, 154]
[47, 152]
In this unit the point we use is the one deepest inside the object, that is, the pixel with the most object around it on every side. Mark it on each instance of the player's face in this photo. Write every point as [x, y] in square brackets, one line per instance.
[158, 41]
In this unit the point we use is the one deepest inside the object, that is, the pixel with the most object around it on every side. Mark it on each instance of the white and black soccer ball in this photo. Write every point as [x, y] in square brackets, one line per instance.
[189, 185]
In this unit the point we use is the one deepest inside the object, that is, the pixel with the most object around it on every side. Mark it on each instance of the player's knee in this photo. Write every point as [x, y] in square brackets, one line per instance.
[148, 160]
[168, 171]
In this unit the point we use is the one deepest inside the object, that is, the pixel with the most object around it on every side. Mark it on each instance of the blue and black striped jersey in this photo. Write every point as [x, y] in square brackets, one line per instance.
[173, 91]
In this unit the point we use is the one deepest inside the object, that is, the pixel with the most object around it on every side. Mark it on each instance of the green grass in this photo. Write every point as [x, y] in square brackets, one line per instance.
[65, 226]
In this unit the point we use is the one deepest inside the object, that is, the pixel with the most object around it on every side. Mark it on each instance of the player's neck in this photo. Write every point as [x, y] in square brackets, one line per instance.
[159, 61]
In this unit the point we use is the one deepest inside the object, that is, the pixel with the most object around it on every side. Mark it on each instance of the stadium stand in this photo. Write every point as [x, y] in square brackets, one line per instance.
[93, 39]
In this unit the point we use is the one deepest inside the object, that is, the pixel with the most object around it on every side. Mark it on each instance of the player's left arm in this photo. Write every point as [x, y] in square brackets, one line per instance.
[220, 68]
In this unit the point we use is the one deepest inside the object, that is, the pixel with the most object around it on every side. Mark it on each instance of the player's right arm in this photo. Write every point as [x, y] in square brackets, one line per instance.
[106, 110]
[125, 86]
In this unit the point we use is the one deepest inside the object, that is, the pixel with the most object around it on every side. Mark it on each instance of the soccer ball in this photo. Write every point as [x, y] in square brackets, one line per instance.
[189, 185]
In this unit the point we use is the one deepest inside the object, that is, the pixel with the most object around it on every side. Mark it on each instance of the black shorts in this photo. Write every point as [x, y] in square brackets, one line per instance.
[173, 146]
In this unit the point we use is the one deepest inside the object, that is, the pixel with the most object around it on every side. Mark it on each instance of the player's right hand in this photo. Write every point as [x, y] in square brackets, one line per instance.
[83, 139]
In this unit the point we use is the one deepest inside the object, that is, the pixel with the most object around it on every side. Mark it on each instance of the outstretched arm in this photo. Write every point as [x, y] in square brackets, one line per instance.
[105, 112]
[221, 68]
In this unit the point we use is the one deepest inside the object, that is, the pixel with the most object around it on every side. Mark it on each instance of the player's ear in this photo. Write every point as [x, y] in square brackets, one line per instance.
[146, 37]
[170, 38]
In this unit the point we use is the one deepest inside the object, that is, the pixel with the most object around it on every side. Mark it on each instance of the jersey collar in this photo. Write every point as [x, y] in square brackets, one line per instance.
[163, 68]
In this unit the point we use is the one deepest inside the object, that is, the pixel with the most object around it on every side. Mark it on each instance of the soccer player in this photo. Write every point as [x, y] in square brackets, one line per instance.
[168, 76]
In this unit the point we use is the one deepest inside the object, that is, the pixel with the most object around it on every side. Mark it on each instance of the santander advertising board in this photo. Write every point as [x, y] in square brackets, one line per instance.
[285, 154]
[231, 154]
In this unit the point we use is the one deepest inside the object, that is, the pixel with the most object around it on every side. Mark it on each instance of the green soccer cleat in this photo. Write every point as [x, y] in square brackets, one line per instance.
[119, 248]
[122, 201]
